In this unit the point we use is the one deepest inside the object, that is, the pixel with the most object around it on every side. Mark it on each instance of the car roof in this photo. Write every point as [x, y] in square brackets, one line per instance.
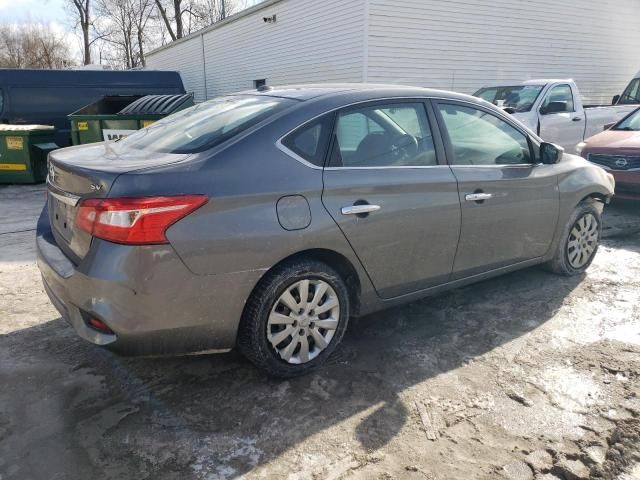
[537, 82]
[311, 91]
[544, 81]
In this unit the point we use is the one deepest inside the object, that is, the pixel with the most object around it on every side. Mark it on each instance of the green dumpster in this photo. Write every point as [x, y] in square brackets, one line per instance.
[23, 152]
[116, 116]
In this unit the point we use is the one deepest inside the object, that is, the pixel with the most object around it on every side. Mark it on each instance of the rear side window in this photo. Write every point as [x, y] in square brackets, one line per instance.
[560, 93]
[1, 101]
[206, 125]
[479, 138]
[310, 141]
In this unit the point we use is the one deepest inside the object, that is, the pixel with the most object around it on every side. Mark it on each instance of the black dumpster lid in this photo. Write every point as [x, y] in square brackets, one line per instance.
[156, 104]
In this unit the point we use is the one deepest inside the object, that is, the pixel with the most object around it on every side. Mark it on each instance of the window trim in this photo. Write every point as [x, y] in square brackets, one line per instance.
[431, 119]
[440, 143]
[450, 155]
[546, 95]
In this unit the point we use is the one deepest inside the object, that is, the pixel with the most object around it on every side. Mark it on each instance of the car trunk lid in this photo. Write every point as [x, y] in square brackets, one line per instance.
[88, 171]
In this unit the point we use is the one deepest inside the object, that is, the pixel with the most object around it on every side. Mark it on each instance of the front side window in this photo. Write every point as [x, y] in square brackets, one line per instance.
[559, 93]
[205, 125]
[631, 94]
[395, 135]
[480, 138]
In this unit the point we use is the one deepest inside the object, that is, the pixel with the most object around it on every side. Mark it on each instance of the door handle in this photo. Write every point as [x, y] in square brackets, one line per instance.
[576, 119]
[478, 197]
[359, 209]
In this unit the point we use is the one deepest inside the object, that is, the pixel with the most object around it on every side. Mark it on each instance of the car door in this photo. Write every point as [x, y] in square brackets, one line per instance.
[395, 203]
[565, 127]
[509, 202]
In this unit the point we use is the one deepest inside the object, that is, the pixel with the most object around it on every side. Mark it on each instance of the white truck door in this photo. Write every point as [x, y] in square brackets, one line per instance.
[562, 118]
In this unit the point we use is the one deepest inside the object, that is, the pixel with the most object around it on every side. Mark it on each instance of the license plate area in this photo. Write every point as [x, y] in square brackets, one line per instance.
[62, 217]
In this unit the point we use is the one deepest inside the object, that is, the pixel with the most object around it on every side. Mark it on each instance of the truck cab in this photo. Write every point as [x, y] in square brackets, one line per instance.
[553, 109]
[631, 94]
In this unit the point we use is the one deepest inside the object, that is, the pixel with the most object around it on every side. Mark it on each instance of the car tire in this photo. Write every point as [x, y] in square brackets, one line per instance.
[579, 242]
[270, 326]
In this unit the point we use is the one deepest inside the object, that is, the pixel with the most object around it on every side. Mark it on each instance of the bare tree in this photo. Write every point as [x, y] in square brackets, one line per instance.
[124, 30]
[127, 21]
[32, 46]
[173, 20]
[142, 13]
[117, 18]
[82, 10]
[212, 11]
[181, 17]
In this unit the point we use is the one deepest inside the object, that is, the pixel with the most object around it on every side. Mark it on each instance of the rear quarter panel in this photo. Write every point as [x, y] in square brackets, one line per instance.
[238, 230]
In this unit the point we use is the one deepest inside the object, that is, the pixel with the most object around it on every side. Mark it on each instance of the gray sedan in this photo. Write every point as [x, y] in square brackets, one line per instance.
[265, 219]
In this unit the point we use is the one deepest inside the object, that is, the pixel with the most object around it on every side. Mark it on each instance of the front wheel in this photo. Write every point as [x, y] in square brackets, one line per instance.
[579, 242]
[295, 318]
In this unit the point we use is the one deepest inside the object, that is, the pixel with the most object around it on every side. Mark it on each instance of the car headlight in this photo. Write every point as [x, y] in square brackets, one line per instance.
[580, 147]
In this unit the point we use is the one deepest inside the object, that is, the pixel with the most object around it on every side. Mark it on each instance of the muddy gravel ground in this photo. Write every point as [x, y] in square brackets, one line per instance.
[529, 375]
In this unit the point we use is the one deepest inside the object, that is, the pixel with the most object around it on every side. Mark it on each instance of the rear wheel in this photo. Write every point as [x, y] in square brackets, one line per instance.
[579, 242]
[295, 318]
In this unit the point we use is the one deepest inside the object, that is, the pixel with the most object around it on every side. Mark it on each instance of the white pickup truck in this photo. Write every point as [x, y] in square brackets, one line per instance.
[554, 110]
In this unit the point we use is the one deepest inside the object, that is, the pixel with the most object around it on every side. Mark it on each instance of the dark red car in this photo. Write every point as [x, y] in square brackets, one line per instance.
[618, 151]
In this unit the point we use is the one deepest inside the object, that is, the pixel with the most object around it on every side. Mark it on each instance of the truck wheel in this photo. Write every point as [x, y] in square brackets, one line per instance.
[294, 319]
[579, 242]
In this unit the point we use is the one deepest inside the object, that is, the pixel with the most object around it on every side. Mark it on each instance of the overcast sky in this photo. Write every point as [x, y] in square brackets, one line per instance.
[42, 11]
[32, 10]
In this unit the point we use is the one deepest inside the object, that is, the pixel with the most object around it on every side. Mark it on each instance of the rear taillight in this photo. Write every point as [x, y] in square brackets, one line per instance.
[135, 221]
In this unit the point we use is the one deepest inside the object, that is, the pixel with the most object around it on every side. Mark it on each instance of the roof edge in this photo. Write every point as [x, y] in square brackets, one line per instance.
[221, 23]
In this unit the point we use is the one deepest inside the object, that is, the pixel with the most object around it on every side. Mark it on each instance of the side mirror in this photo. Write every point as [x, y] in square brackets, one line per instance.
[615, 99]
[554, 107]
[550, 153]
[607, 126]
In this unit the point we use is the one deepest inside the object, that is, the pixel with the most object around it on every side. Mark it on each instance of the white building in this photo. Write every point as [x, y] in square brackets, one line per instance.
[457, 45]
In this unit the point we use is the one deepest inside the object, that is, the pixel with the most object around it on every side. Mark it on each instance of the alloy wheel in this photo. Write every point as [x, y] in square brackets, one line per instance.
[583, 240]
[303, 320]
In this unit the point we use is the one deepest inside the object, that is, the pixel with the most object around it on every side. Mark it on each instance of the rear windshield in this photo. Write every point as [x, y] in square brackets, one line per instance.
[520, 98]
[205, 125]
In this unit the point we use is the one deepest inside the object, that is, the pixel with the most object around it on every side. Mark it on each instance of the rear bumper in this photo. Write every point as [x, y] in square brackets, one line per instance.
[146, 295]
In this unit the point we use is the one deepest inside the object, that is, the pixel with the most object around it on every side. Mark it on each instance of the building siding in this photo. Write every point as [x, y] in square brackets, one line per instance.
[457, 45]
[186, 58]
[462, 45]
[311, 41]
